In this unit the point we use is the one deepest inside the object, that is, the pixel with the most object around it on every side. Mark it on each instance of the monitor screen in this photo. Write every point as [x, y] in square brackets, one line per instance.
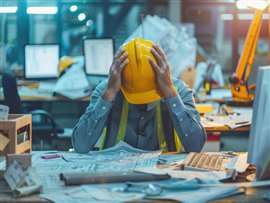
[41, 61]
[259, 139]
[98, 56]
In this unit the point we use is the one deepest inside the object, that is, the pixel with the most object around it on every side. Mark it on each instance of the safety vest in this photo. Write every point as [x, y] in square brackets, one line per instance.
[160, 130]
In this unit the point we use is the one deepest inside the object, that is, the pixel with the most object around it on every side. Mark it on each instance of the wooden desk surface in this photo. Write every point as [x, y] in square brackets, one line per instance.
[48, 98]
[52, 99]
[222, 128]
[216, 127]
[29, 92]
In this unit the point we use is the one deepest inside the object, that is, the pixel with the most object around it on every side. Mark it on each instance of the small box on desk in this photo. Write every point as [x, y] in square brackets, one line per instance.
[18, 129]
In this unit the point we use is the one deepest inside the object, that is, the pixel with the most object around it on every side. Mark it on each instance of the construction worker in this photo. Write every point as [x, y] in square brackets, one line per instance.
[140, 104]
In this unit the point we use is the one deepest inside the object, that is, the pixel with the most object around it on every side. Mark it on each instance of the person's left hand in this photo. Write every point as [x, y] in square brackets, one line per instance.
[163, 74]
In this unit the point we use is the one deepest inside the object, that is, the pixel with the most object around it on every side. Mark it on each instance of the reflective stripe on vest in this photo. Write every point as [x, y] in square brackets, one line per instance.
[160, 130]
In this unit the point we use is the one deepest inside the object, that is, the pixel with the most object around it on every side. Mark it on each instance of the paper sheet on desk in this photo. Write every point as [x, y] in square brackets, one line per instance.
[46, 87]
[185, 174]
[239, 163]
[73, 84]
[87, 194]
[200, 195]
[232, 121]
[121, 157]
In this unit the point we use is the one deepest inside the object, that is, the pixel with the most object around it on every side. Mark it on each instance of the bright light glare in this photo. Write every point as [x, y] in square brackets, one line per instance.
[50, 10]
[89, 23]
[246, 4]
[241, 16]
[8, 9]
[81, 16]
[73, 8]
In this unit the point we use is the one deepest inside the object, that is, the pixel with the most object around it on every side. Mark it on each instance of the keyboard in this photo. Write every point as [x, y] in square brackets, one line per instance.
[205, 162]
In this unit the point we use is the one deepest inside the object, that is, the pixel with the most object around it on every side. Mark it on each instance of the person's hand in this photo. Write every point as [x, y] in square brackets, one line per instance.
[163, 74]
[114, 82]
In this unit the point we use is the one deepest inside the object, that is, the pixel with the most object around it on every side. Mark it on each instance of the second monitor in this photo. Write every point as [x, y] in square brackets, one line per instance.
[98, 55]
[41, 61]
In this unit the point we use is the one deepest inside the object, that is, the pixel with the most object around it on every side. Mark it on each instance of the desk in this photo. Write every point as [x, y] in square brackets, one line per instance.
[210, 128]
[38, 97]
[251, 195]
[222, 96]
[30, 91]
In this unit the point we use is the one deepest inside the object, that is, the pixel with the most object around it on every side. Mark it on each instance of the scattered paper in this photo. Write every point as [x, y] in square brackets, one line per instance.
[14, 175]
[238, 163]
[29, 190]
[232, 121]
[185, 174]
[22, 182]
[87, 194]
[119, 158]
[73, 84]
[76, 195]
[103, 194]
[200, 195]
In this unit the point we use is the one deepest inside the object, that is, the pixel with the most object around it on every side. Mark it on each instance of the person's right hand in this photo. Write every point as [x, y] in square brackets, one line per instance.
[114, 82]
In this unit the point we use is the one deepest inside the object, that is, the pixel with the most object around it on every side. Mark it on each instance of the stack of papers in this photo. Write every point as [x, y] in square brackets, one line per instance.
[232, 121]
[184, 186]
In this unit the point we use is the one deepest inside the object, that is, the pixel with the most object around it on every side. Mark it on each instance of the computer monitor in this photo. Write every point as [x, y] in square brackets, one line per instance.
[98, 55]
[41, 61]
[259, 139]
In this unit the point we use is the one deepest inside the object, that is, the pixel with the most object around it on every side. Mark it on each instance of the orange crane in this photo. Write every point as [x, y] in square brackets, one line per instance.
[241, 90]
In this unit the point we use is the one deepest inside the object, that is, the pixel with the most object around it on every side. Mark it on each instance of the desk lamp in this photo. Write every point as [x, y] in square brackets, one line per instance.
[239, 80]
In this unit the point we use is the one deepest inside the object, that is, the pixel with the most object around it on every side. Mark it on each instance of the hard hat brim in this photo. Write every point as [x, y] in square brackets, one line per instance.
[141, 98]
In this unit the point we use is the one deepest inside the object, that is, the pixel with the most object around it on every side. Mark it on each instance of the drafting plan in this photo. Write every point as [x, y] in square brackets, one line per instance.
[121, 157]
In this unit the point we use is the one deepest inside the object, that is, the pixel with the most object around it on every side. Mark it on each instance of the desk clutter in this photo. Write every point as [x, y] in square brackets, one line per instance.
[121, 173]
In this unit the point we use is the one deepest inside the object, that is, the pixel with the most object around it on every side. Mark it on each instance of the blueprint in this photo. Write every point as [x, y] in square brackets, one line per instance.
[121, 157]
[91, 194]
[199, 195]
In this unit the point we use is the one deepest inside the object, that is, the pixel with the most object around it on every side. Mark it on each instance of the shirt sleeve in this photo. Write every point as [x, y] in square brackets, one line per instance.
[91, 124]
[186, 119]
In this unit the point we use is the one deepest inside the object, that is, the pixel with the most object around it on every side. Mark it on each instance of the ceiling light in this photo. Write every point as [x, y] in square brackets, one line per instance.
[50, 10]
[73, 8]
[256, 4]
[8, 9]
[81, 17]
[89, 23]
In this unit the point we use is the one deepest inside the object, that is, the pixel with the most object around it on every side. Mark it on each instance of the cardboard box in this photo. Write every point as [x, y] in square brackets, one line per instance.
[18, 129]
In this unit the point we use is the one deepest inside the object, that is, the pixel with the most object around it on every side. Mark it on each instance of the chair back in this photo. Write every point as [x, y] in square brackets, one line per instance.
[10, 91]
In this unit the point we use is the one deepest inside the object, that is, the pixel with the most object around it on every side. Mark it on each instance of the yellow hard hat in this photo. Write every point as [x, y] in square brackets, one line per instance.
[138, 78]
[65, 62]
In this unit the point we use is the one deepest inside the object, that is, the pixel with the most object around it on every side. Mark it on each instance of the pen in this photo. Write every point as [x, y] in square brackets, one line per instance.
[51, 156]
[244, 122]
